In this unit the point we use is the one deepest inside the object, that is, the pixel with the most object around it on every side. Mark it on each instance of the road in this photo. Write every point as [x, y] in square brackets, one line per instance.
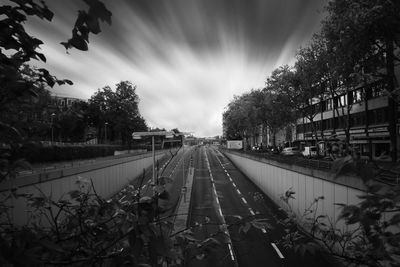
[221, 193]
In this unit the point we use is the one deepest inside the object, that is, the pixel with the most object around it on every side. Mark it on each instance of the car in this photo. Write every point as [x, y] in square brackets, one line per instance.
[310, 152]
[290, 151]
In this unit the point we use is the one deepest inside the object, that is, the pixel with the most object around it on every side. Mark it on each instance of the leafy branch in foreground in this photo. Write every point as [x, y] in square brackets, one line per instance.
[81, 229]
[370, 236]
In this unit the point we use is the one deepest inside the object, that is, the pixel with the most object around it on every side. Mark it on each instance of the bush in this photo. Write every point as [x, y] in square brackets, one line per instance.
[37, 154]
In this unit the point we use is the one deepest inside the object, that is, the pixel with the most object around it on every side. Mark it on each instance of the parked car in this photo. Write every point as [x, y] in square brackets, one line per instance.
[291, 151]
[310, 152]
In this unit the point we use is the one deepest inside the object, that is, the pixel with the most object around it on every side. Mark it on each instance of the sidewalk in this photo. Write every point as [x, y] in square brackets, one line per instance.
[182, 210]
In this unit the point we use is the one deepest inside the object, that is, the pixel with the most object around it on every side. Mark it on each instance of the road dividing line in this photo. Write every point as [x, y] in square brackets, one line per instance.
[277, 251]
[237, 190]
[223, 222]
[231, 252]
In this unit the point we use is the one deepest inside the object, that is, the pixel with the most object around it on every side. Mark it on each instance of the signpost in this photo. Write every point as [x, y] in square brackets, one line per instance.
[139, 135]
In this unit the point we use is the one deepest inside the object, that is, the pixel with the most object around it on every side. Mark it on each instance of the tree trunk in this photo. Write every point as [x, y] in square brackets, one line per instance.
[392, 110]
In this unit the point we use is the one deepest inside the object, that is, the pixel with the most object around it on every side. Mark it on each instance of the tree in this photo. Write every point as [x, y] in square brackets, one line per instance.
[366, 34]
[119, 110]
[273, 111]
[238, 119]
[18, 81]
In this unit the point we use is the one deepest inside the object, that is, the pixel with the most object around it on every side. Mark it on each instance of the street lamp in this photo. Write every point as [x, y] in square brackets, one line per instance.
[139, 135]
[52, 127]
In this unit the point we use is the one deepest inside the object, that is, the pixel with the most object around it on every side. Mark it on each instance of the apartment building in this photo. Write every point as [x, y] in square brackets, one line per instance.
[361, 113]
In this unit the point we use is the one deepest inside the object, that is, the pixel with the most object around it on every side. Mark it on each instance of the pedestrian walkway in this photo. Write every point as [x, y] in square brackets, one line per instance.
[182, 210]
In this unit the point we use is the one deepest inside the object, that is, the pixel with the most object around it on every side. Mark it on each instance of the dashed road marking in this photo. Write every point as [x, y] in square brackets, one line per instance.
[277, 251]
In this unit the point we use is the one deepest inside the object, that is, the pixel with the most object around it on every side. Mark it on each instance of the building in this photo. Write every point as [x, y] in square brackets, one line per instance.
[361, 115]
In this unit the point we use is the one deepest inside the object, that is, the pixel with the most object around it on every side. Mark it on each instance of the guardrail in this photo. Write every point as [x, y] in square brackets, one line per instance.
[382, 173]
[297, 160]
[45, 167]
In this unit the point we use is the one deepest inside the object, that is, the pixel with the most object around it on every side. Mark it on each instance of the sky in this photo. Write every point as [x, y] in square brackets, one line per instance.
[188, 58]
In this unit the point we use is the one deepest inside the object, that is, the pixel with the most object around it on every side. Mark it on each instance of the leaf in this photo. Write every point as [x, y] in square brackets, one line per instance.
[93, 24]
[341, 166]
[41, 56]
[69, 82]
[67, 45]
[74, 194]
[350, 213]
[99, 10]
[79, 43]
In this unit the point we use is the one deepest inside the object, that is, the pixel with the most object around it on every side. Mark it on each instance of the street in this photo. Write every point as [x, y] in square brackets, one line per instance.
[222, 194]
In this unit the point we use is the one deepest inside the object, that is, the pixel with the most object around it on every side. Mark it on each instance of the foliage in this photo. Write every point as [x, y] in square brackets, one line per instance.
[81, 229]
[119, 109]
[23, 87]
[371, 234]
[39, 154]
[258, 107]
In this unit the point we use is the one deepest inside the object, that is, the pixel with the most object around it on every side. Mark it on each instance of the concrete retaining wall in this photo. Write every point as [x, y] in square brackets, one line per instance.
[108, 176]
[274, 179]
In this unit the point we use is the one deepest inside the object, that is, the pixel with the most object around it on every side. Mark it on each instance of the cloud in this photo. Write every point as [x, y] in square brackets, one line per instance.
[187, 57]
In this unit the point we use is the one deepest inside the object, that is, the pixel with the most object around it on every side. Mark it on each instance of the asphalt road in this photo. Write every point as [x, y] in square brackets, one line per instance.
[220, 194]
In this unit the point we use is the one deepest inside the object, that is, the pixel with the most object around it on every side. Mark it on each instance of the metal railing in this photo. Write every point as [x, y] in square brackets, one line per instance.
[382, 173]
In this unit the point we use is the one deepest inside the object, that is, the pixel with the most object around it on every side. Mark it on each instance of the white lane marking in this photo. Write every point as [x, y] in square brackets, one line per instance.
[277, 251]
[242, 198]
[231, 252]
[220, 211]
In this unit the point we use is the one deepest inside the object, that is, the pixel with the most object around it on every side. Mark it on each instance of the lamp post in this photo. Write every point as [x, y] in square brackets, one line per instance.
[52, 127]
[139, 135]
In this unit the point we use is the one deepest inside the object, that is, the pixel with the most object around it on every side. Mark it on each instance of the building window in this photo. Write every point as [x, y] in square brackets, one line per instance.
[382, 149]
[329, 104]
[299, 128]
[377, 89]
[356, 96]
[340, 101]
[358, 119]
[327, 124]
[378, 116]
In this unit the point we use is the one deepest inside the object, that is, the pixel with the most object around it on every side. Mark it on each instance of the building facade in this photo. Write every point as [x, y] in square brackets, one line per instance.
[360, 115]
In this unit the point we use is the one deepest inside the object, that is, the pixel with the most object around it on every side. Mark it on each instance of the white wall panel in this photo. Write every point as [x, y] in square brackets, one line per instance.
[275, 181]
[107, 181]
